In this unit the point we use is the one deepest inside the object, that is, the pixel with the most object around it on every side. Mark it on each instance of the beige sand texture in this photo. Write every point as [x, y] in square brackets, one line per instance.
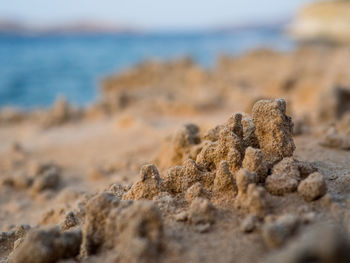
[246, 162]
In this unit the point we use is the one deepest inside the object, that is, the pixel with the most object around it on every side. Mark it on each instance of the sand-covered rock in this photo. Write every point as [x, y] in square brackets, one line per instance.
[276, 233]
[273, 129]
[47, 245]
[36, 178]
[195, 191]
[48, 179]
[133, 230]
[148, 186]
[61, 113]
[250, 197]
[98, 209]
[201, 211]
[286, 176]
[179, 178]
[319, 243]
[254, 162]
[10, 239]
[10, 115]
[224, 182]
[313, 187]
[70, 220]
[182, 145]
[228, 146]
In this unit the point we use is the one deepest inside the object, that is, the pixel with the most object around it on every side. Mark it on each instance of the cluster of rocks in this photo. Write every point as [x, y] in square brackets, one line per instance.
[238, 160]
[239, 165]
[20, 171]
[318, 243]
[60, 113]
[132, 230]
[39, 178]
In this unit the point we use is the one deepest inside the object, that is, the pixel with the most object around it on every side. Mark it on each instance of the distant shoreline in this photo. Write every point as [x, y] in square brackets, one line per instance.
[99, 28]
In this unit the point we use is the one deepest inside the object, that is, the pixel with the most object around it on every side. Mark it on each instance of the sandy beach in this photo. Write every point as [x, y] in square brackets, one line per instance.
[245, 162]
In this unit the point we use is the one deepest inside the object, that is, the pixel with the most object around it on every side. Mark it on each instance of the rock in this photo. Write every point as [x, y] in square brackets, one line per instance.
[61, 112]
[184, 138]
[234, 123]
[228, 147]
[119, 190]
[256, 200]
[192, 174]
[313, 187]
[306, 168]
[166, 203]
[213, 134]
[179, 178]
[201, 211]
[286, 176]
[243, 179]
[18, 181]
[37, 178]
[281, 184]
[136, 232]
[179, 147]
[132, 229]
[48, 179]
[249, 137]
[277, 233]
[70, 220]
[148, 186]
[253, 162]
[47, 245]
[97, 211]
[273, 129]
[37, 168]
[249, 224]
[318, 243]
[11, 115]
[250, 196]
[195, 191]
[172, 181]
[8, 239]
[224, 182]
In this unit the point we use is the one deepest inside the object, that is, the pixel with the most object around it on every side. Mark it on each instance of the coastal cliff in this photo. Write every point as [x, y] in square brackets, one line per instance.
[323, 20]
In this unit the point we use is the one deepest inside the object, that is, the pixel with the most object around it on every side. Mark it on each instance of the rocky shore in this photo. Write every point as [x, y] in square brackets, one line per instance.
[327, 21]
[245, 162]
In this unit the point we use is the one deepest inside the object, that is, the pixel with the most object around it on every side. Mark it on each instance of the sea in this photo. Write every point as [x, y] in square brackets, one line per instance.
[35, 70]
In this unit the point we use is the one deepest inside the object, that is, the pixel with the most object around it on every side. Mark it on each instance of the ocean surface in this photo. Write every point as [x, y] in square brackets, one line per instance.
[34, 70]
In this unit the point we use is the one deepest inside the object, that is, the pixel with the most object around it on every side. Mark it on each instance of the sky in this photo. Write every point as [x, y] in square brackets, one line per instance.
[151, 14]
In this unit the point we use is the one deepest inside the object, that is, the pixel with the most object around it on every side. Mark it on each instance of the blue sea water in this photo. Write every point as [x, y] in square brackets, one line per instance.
[34, 70]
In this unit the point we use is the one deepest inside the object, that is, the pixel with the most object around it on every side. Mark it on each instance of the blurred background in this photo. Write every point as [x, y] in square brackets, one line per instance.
[53, 48]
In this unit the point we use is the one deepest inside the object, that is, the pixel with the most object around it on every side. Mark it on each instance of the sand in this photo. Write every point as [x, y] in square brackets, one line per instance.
[247, 162]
